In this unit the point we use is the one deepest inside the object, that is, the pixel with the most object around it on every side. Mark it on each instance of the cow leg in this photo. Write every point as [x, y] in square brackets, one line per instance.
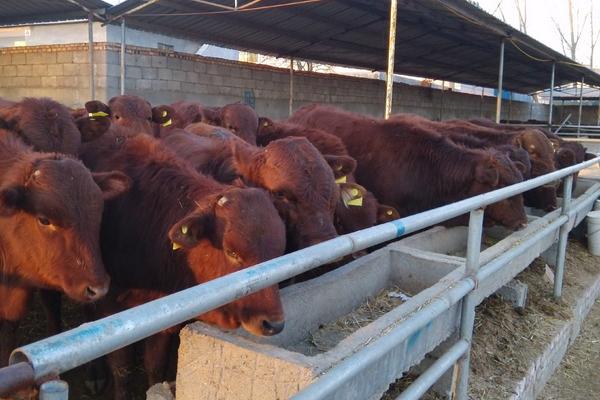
[51, 301]
[120, 363]
[12, 308]
[156, 356]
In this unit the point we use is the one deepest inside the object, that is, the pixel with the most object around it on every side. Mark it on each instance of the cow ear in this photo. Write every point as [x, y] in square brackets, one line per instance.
[112, 183]
[9, 117]
[247, 160]
[11, 200]
[210, 115]
[352, 194]
[97, 108]
[264, 123]
[487, 173]
[386, 214]
[163, 115]
[521, 167]
[590, 156]
[187, 232]
[565, 158]
[341, 165]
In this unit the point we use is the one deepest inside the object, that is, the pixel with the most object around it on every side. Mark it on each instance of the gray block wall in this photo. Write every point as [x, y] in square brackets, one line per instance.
[62, 72]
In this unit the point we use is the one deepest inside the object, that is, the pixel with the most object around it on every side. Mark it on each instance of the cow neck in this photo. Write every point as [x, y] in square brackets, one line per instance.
[12, 149]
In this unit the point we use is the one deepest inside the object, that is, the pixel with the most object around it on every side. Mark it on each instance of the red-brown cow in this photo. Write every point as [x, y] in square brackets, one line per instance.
[238, 118]
[219, 228]
[348, 217]
[136, 114]
[301, 181]
[50, 212]
[50, 126]
[416, 169]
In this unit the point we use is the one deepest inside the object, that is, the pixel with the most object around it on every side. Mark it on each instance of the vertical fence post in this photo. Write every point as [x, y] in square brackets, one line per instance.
[442, 101]
[460, 382]
[481, 104]
[123, 55]
[562, 238]
[54, 390]
[500, 78]
[291, 99]
[598, 105]
[91, 55]
[389, 78]
[551, 96]
[580, 106]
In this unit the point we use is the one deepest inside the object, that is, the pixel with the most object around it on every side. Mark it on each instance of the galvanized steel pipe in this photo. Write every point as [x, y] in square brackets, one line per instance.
[580, 106]
[562, 238]
[70, 349]
[122, 66]
[434, 372]
[551, 96]
[91, 55]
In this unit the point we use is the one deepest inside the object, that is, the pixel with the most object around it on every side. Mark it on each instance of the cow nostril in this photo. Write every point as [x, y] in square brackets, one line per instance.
[95, 293]
[270, 328]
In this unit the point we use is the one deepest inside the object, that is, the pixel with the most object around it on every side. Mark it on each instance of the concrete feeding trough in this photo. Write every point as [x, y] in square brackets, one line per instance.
[218, 365]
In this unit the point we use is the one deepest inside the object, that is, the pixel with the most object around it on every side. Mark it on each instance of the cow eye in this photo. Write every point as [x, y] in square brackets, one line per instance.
[280, 195]
[117, 117]
[232, 254]
[44, 221]
[149, 119]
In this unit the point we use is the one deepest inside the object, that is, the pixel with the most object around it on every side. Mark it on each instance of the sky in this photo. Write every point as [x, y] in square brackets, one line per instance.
[541, 15]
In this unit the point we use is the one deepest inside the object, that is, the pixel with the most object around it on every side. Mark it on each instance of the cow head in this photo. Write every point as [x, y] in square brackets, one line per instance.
[50, 209]
[136, 114]
[237, 229]
[240, 119]
[301, 182]
[357, 209]
[539, 147]
[92, 121]
[495, 171]
[42, 123]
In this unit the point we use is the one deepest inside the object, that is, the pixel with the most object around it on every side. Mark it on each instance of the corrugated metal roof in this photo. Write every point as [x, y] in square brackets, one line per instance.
[444, 39]
[16, 12]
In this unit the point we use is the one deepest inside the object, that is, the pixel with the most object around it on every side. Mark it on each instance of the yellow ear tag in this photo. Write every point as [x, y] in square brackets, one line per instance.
[265, 123]
[169, 122]
[357, 202]
[164, 113]
[341, 180]
[176, 246]
[97, 114]
[184, 229]
[389, 212]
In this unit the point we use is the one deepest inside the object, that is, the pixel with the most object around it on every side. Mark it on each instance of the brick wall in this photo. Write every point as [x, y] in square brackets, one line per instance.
[62, 72]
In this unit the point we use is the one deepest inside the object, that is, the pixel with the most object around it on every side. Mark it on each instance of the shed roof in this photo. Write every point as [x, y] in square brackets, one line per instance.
[16, 12]
[444, 39]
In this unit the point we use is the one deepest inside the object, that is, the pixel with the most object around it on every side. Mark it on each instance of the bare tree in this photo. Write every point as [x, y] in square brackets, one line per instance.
[522, 15]
[569, 42]
[594, 36]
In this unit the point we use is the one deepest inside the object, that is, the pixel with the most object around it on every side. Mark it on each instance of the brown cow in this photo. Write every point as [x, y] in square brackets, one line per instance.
[50, 212]
[136, 114]
[50, 126]
[218, 228]
[348, 218]
[416, 169]
[301, 181]
[238, 118]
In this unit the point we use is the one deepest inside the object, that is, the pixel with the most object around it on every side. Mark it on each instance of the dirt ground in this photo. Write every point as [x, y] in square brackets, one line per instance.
[506, 341]
[578, 376]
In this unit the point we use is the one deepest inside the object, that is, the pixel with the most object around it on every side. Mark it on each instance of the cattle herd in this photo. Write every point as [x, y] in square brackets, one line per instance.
[117, 204]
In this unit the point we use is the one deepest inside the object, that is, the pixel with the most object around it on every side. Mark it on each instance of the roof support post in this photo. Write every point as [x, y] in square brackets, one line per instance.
[389, 78]
[122, 56]
[91, 55]
[551, 96]
[500, 77]
[442, 101]
[598, 105]
[291, 103]
[580, 105]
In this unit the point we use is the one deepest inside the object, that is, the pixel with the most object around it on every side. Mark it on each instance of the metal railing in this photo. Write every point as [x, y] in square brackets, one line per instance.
[46, 359]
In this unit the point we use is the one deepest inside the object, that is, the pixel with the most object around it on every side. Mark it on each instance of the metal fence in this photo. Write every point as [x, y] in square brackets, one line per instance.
[46, 359]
